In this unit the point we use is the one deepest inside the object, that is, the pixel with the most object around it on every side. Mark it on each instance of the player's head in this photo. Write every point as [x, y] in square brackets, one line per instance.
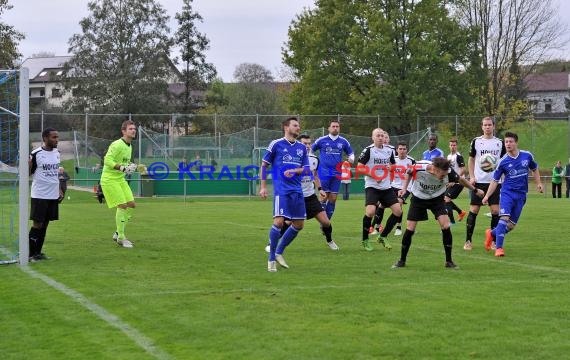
[441, 166]
[432, 141]
[291, 127]
[386, 138]
[402, 149]
[488, 126]
[129, 130]
[378, 137]
[511, 140]
[60, 170]
[50, 137]
[334, 127]
[453, 145]
[305, 140]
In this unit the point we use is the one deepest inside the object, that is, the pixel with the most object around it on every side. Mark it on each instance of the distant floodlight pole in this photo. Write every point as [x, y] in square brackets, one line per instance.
[23, 170]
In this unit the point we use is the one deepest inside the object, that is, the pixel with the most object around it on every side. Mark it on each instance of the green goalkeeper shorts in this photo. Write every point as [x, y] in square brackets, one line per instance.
[117, 193]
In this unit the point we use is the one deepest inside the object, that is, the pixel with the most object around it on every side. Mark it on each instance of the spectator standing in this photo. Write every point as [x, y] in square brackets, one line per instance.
[557, 174]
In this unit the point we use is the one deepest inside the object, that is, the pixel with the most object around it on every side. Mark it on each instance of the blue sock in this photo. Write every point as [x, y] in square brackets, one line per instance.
[499, 233]
[274, 236]
[329, 209]
[287, 239]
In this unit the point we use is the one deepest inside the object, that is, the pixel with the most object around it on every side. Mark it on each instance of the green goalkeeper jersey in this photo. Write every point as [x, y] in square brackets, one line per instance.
[119, 152]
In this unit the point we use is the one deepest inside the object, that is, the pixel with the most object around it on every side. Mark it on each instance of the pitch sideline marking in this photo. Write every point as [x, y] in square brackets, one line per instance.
[139, 338]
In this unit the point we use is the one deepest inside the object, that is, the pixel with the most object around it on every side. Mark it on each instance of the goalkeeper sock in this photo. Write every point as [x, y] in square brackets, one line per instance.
[120, 221]
[129, 212]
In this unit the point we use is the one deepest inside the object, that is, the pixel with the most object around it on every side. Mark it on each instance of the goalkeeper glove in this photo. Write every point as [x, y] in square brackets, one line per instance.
[129, 169]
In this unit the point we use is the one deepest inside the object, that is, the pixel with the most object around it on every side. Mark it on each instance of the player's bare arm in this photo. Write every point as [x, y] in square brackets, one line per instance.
[490, 191]
[263, 180]
[471, 187]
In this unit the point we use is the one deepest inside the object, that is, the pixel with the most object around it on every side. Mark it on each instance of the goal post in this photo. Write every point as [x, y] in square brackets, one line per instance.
[23, 170]
[14, 172]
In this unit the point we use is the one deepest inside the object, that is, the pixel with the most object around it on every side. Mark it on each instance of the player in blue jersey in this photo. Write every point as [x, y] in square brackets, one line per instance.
[432, 151]
[514, 167]
[289, 162]
[331, 148]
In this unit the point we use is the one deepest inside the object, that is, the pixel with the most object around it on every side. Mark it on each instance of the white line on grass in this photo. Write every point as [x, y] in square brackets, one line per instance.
[113, 320]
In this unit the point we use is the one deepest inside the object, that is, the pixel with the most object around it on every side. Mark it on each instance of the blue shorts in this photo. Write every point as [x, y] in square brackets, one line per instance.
[330, 184]
[511, 205]
[290, 206]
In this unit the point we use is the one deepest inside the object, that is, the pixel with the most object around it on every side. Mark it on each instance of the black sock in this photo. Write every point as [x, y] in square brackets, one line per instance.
[33, 240]
[41, 240]
[471, 220]
[449, 208]
[328, 232]
[406, 243]
[392, 221]
[366, 221]
[378, 216]
[447, 240]
[494, 221]
[455, 207]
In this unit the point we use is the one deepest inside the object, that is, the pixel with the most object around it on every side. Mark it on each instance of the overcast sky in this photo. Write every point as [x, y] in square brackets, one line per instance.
[239, 30]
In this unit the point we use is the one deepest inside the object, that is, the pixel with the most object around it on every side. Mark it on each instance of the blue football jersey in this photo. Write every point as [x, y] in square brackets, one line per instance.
[283, 155]
[330, 154]
[516, 171]
[429, 155]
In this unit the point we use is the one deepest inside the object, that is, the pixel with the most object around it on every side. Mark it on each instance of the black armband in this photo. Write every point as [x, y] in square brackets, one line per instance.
[319, 188]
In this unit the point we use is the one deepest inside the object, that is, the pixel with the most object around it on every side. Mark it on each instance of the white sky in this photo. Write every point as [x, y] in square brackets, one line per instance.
[239, 30]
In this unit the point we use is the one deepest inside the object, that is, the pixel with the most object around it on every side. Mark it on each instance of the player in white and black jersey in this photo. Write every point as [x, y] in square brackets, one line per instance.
[458, 165]
[375, 162]
[403, 163]
[430, 180]
[376, 227]
[484, 144]
[44, 170]
[313, 205]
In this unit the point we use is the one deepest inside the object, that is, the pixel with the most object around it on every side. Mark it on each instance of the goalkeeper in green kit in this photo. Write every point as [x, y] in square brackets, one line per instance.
[117, 192]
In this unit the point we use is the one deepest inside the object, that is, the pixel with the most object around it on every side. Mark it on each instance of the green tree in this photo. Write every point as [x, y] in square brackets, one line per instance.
[399, 57]
[196, 73]
[9, 39]
[121, 59]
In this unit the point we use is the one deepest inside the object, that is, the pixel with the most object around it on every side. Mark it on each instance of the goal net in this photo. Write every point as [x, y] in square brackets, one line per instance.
[14, 152]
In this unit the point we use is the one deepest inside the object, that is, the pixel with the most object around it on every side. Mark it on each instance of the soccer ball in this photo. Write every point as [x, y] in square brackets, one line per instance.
[488, 162]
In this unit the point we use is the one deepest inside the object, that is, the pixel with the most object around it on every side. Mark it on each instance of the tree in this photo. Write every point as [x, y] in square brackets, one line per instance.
[196, 73]
[401, 57]
[511, 32]
[121, 59]
[252, 73]
[9, 39]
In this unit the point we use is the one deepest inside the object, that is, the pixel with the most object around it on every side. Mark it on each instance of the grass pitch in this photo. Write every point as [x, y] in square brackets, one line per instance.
[196, 287]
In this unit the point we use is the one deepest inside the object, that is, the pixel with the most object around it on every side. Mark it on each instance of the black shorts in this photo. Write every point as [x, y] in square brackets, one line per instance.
[386, 197]
[313, 206]
[454, 191]
[419, 207]
[493, 200]
[44, 210]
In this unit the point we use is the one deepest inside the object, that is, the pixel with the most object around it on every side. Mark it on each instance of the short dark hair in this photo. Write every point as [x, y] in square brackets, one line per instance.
[46, 132]
[441, 163]
[126, 124]
[287, 121]
[433, 136]
[453, 139]
[403, 143]
[513, 135]
[304, 136]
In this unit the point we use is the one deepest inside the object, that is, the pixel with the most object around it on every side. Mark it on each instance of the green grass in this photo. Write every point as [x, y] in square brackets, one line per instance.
[196, 287]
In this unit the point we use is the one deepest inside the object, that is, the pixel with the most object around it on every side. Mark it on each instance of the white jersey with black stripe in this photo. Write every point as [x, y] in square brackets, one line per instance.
[480, 146]
[45, 176]
[307, 183]
[427, 186]
[378, 161]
